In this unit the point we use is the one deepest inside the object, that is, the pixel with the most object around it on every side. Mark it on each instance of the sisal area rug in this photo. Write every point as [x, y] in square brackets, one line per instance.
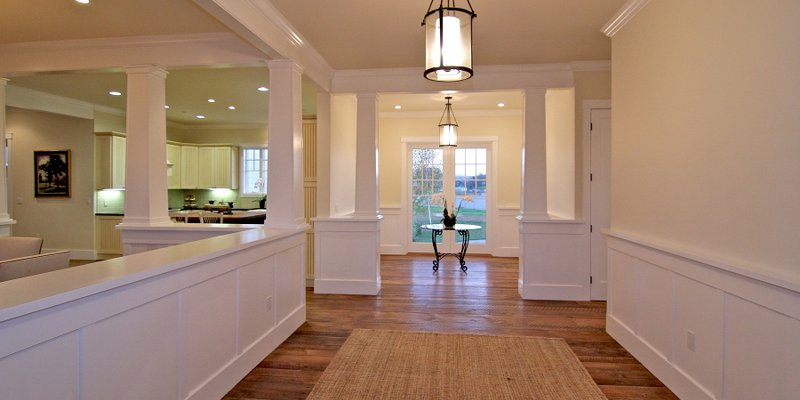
[387, 365]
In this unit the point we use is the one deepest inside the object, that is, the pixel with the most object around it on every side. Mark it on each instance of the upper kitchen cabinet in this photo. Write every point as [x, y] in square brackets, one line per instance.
[109, 154]
[189, 172]
[174, 166]
[217, 167]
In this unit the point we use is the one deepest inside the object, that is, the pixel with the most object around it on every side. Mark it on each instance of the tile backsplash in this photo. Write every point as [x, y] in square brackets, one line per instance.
[109, 201]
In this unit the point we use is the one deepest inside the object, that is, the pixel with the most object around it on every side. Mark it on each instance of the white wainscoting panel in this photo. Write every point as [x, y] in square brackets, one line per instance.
[173, 323]
[347, 255]
[144, 367]
[707, 329]
[394, 235]
[505, 237]
[56, 359]
[554, 264]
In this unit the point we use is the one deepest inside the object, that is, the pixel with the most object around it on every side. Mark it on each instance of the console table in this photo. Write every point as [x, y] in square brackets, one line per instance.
[463, 231]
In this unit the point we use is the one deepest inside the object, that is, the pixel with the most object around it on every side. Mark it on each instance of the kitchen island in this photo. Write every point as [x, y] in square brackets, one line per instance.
[256, 216]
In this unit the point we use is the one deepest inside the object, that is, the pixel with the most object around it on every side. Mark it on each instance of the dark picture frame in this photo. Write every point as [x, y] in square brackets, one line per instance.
[52, 173]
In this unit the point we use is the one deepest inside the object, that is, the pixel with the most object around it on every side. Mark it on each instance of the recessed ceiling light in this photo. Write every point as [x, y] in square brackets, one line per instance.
[231, 107]
[501, 105]
[82, 1]
[263, 89]
[115, 93]
[397, 106]
[166, 106]
[448, 92]
[212, 101]
[201, 116]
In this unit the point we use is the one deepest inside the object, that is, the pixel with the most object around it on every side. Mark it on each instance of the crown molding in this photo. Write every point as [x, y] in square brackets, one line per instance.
[590, 66]
[623, 16]
[222, 48]
[437, 114]
[30, 99]
[486, 78]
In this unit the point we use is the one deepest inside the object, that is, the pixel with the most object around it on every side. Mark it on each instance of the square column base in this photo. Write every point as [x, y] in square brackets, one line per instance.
[553, 263]
[347, 255]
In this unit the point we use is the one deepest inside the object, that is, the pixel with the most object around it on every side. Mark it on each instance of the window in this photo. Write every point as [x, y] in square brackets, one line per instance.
[254, 172]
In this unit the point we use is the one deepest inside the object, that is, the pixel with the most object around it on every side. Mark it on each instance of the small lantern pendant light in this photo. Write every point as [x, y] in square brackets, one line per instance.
[447, 126]
[448, 41]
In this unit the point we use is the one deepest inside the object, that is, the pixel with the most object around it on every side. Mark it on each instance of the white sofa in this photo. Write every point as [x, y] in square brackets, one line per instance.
[22, 256]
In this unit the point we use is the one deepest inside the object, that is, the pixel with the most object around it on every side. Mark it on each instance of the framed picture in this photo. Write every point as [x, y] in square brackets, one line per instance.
[52, 171]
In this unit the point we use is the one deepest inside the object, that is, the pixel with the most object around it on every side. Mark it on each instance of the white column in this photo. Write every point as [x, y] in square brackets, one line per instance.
[534, 160]
[145, 148]
[5, 218]
[285, 168]
[323, 154]
[366, 200]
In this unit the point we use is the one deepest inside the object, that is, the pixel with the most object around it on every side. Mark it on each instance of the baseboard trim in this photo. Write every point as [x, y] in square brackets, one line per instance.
[337, 286]
[552, 292]
[506, 252]
[682, 385]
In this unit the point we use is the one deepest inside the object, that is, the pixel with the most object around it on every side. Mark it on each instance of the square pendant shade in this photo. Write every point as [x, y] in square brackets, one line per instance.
[448, 42]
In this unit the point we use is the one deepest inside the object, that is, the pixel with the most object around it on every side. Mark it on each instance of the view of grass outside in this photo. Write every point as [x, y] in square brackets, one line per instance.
[428, 181]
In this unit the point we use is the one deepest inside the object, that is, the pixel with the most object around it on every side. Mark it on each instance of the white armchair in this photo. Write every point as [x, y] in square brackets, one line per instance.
[21, 256]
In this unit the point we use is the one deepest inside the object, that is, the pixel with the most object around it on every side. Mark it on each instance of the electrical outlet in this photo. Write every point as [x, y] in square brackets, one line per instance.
[690, 340]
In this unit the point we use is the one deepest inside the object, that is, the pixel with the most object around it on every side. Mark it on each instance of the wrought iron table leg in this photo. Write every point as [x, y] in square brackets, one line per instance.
[464, 244]
[434, 234]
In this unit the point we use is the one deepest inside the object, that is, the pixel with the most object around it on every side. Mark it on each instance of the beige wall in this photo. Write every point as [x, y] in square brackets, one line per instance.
[507, 128]
[63, 223]
[105, 122]
[560, 144]
[589, 85]
[343, 149]
[706, 130]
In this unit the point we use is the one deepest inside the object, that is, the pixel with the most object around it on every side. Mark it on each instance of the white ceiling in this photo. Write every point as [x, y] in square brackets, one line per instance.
[349, 34]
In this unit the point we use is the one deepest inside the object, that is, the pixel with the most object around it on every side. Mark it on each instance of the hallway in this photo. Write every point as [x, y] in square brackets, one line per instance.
[482, 301]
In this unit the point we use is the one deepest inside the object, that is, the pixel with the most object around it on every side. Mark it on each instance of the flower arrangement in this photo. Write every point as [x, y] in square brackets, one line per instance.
[448, 218]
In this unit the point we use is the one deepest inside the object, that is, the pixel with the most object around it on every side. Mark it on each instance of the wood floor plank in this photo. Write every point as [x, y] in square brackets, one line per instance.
[414, 298]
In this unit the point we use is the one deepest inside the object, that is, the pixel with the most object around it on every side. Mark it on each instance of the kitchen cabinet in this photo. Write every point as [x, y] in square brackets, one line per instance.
[107, 238]
[174, 166]
[217, 167]
[188, 170]
[109, 154]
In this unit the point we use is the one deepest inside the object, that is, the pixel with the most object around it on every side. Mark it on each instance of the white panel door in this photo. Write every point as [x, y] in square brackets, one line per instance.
[600, 201]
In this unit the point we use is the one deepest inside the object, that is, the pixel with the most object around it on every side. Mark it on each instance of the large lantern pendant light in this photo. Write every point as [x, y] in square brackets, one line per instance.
[448, 126]
[448, 41]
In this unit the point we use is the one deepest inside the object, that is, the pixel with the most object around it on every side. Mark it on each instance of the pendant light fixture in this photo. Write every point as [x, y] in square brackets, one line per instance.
[448, 126]
[448, 41]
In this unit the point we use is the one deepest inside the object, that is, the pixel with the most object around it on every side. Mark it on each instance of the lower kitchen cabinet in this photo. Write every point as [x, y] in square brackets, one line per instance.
[108, 241]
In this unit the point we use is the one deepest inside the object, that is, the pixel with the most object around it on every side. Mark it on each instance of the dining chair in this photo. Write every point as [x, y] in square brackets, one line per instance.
[210, 218]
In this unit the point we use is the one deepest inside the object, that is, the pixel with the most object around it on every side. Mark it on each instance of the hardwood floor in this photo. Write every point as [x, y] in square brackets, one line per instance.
[483, 301]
